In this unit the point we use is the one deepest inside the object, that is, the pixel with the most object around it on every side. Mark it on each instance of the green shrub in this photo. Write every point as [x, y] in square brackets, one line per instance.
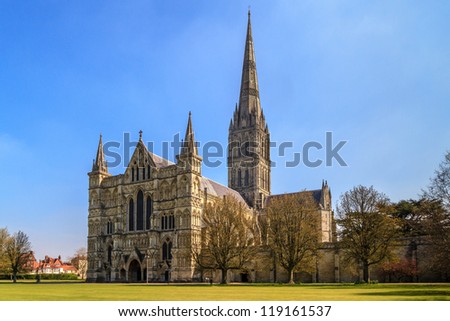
[68, 276]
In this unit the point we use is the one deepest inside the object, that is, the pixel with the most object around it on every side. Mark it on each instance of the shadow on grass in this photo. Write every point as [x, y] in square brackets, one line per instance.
[411, 293]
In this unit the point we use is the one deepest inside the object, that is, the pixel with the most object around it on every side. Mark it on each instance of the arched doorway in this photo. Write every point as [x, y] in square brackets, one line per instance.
[134, 272]
[245, 278]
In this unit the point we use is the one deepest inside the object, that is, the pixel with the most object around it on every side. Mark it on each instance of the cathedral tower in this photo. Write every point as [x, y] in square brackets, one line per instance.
[248, 136]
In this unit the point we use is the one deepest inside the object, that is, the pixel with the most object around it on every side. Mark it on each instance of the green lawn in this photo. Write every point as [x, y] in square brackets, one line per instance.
[75, 291]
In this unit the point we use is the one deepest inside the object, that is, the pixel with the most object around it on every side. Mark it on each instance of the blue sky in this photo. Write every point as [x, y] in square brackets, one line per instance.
[376, 74]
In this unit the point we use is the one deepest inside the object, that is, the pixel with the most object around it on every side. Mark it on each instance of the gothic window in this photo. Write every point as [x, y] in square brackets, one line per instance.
[148, 171]
[143, 173]
[110, 255]
[239, 182]
[109, 227]
[167, 250]
[140, 211]
[171, 222]
[132, 174]
[148, 214]
[163, 222]
[131, 215]
[137, 173]
[246, 177]
[167, 222]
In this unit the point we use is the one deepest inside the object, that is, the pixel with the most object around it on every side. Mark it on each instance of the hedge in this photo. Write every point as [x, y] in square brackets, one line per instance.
[65, 276]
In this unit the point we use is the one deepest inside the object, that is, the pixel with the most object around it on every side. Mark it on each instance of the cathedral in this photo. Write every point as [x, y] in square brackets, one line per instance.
[141, 223]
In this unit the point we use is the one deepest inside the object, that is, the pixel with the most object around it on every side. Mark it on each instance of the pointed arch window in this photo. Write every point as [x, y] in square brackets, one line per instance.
[148, 171]
[143, 173]
[167, 250]
[239, 178]
[171, 222]
[167, 222]
[246, 177]
[132, 174]
[148, 214]
[140, 211]
[109, 255]
[109, 227]
[131, 215]
[137, 173]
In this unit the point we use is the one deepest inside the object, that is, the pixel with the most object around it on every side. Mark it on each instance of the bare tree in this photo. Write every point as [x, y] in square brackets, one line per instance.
[227, 236]
[293, 230]
[18, 249]
[79, 261]
[366, 230]
[4, 235]
[439, 187]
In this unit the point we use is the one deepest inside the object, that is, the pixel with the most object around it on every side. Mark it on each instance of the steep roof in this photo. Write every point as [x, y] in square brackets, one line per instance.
[219, 190]
[159, 161]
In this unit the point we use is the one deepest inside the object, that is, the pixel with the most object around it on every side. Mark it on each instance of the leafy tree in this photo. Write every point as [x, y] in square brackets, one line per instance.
[427, 221]
[293, 233]
[366, 230]
[18, 249]
[409, 216]
[436, 225]
[227, 236]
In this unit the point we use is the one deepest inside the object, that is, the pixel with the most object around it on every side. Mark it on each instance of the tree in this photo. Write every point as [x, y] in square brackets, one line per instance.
[79, 261]
[4, 236]
[227, 236]
[436, 226]
[18, 249]
[436, 221]
[409, 215]
[439, 187]
[366, 230]
[293, 230]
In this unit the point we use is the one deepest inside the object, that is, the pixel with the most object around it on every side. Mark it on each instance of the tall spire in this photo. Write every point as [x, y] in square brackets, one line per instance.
[249, 94]
[100, 164]
[249, 173]
[189, 146]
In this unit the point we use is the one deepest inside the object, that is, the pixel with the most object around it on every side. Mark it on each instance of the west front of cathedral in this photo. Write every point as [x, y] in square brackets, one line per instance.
[143, 223]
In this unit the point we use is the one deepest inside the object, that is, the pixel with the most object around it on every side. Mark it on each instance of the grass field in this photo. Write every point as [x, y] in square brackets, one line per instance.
[76, 291]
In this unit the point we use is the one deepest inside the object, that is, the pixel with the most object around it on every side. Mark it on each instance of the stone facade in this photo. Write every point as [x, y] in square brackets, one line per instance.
[142, 223]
